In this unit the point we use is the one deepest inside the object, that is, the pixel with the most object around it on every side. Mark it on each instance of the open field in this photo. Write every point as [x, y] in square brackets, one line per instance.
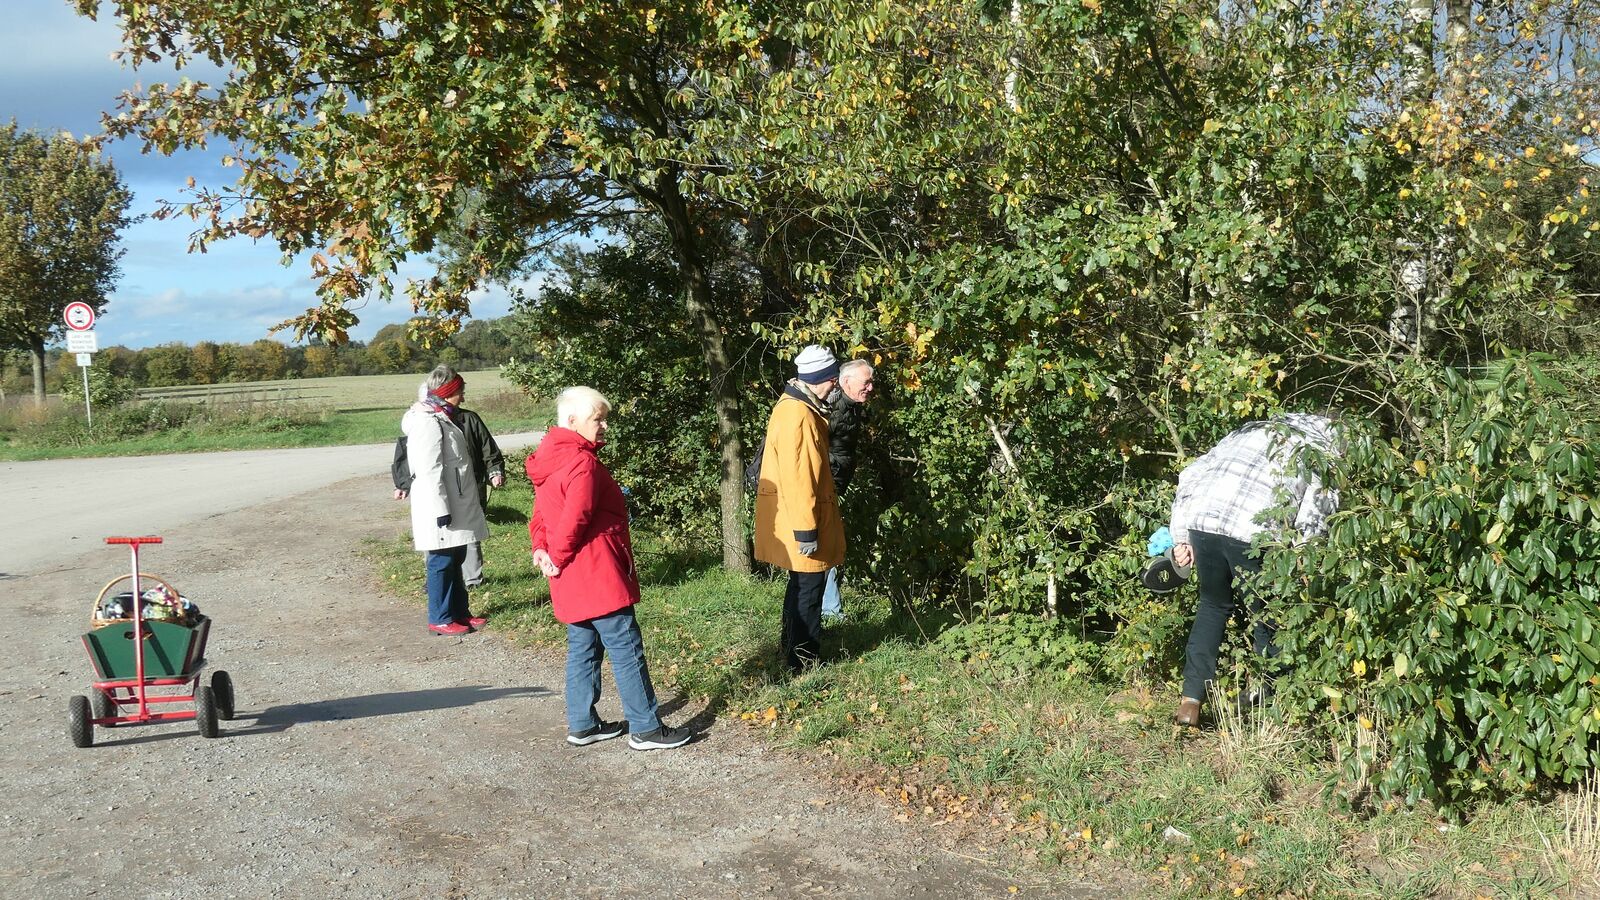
[347, 392]
[312, 412]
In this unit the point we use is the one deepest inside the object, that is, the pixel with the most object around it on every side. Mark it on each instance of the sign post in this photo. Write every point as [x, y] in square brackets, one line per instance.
[79, 317]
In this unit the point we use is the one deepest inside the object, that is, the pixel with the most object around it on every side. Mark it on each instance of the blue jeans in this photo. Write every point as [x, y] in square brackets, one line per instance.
[832, 603]
[447, 591]
[587, 643]
[1220, 567]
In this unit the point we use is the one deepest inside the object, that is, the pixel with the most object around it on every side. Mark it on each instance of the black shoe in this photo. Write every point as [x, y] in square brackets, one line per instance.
[662, 738]
[605, 731]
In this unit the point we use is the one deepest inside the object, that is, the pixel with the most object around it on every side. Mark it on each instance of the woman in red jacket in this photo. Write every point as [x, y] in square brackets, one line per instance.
[579, 531]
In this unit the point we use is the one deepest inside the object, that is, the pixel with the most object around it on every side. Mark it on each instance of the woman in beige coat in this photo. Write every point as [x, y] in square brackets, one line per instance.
[798, 527]
[445, 513]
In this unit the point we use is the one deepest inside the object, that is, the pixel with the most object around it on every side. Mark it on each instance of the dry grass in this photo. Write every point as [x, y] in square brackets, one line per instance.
[20, 411]
[1361, 742]
[1248, 737]
[1578, 844]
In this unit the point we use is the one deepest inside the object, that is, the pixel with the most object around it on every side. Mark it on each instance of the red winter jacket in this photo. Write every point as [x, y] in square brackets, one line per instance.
[581, 520]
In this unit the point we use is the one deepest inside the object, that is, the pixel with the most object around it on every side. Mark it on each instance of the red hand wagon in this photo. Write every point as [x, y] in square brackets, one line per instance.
[134, 654]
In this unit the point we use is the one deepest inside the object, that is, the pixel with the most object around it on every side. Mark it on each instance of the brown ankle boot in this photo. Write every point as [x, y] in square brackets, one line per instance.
[1187, 714]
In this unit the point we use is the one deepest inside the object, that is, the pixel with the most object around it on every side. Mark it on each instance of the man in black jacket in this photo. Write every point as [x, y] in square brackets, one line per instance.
[846, 422]
[488, 465]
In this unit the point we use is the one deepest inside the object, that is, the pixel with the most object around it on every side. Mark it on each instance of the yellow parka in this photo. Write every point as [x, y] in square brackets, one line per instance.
[796, 500]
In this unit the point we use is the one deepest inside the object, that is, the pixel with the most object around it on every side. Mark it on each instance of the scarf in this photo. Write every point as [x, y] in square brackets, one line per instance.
[803, 391]
[435, 399]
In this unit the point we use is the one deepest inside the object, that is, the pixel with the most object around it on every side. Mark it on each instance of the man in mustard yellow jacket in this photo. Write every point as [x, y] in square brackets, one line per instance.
[797, 512]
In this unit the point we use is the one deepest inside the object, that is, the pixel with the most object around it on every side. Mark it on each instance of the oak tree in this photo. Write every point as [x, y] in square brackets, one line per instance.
[362, 131]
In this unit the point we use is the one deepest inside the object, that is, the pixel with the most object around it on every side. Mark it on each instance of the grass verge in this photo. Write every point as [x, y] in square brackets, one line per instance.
[1078, 773]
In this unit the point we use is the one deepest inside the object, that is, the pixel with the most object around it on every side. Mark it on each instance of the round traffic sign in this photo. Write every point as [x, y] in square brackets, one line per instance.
[79, 316]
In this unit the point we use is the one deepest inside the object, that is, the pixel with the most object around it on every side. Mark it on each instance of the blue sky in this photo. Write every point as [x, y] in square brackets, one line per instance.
[56, 73]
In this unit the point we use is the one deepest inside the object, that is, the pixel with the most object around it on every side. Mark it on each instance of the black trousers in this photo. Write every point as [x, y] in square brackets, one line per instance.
[802, 619]
[1218, 564]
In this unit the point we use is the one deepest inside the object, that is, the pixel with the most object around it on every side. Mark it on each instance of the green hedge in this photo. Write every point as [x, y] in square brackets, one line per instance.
[1444, 633]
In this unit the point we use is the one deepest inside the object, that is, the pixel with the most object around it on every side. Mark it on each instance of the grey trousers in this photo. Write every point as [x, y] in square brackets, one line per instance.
[472, 568]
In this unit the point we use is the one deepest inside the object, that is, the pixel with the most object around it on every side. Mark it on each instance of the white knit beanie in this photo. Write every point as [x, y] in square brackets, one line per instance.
[816, 364]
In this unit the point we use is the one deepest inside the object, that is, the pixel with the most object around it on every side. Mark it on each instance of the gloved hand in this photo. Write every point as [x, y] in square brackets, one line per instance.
[443, 521]
[807, 548]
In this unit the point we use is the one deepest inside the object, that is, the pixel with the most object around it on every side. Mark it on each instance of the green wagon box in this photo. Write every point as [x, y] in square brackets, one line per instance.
[170, 650]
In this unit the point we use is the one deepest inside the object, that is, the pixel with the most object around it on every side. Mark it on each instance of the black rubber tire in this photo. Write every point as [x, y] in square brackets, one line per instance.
[222, 686]
[205, 712]
[78, 726]
[102, 706]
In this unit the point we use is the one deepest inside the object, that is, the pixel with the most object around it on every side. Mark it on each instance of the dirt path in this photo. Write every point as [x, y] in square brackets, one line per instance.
[371, 759]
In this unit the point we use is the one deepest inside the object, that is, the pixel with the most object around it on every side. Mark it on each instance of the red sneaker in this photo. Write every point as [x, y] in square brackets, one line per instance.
[476, 622]
[452, 629]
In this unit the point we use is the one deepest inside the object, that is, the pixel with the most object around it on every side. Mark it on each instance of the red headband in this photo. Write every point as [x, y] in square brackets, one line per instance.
[449, 388]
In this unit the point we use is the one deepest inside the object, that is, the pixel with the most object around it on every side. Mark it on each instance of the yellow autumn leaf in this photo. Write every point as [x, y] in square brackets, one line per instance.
[1091, 5]
[1402, 665]
[1421, 466]
[1495, 531]
[770, 714]
[1359, 667]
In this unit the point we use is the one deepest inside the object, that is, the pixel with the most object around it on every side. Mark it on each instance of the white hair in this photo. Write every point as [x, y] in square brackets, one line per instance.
[440, 374]
[854, 367]
[579, 403]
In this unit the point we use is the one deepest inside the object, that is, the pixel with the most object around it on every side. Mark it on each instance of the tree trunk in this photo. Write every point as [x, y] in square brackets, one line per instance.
[36, 352]
[697, 301]
[1414, 320]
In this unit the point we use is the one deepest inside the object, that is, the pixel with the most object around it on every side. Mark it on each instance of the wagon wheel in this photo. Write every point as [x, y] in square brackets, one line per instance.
[78, 726]
[222, 687]
[101, 702]
[205, 712]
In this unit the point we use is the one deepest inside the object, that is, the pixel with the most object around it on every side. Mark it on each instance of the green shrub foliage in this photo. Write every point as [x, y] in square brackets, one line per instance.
[609, 318]
[106, 389]
[1444, 632]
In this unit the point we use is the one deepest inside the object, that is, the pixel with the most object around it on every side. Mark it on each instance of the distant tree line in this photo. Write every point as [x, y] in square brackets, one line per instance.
[480, 344]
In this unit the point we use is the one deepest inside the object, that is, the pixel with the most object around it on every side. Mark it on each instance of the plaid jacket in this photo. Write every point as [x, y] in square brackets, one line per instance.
[1252, 470]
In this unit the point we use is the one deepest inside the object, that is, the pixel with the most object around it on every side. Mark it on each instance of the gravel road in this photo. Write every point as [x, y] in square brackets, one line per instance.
[70, 504]
[372, 759]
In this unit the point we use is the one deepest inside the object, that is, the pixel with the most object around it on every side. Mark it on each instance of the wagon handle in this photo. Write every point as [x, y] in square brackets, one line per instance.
[135, 541]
